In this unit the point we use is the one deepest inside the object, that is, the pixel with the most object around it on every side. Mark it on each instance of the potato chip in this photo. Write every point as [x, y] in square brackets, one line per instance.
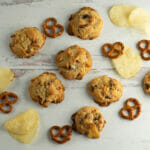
[26, 138]
[24, 126]
[119, 14]
[6, 77]
[23, 123]
[128, 64]
[140, 19]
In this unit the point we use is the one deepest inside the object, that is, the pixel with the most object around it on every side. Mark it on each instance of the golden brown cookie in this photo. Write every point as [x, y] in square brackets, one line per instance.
[27, 42]
[146, 84]
[74, 62]
[46, 88]
[88, 120]
[85, 24]
[105, 90]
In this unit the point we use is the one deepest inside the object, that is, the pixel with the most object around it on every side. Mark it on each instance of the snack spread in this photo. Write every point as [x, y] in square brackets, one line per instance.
[6, 77]
[89, 121]
[24, 127]
[46, 88]
[115, 50]
[105, 90]
[74, 62]
[27, 42]
[146, 83]
[131, 109]
[4, 101]
[85, 24]
[144, 47]
[53, 28]
[128, 64]
[62, 136]
[127, 15]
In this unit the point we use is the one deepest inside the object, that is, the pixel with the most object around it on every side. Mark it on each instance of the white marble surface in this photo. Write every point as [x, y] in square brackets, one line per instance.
[118, 134]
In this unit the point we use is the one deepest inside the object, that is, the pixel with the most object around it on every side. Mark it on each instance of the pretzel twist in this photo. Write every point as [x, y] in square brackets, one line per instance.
[130, 109]
[61, 137]
[4, 99]
[53, 27]
[113, 51]
[145, 49]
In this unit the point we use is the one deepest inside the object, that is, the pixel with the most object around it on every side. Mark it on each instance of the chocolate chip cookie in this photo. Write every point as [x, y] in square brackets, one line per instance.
[27, 42]
[146, 84]
[74, 62]
[105, 90]
[89, 121]
[46, 88]
[85, 24]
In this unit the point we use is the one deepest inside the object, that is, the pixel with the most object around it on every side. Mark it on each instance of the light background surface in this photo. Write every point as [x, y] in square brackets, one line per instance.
[118, 134]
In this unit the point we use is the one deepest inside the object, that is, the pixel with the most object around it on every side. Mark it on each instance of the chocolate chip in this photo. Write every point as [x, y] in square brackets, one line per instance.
[96, 117]
[147, 86]
[69, 67]
[86, 16]
[107, 97]
[28, 51]
[92, 88]
[112, 83]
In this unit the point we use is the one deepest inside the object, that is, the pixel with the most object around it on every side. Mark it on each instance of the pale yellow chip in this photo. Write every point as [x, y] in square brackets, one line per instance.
[119, 14]
[140, 19]
[6, 77]
[26, 138]
[23, 123]
[128, 64]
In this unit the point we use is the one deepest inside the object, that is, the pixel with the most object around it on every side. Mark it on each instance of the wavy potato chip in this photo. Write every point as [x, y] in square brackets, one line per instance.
[23, 123]
[119, 14]
[26, 138]
[128, 64]
[6, 77]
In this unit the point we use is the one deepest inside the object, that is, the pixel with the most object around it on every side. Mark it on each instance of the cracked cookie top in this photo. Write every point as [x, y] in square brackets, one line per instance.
[74, 62]
[105, 90]
[27, 42]
[46, 88]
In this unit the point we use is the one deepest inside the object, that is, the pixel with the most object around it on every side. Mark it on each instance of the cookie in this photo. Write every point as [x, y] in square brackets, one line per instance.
[105, 90]
[89, 121]
[74, 62]
[27, 42]
[85, 24]
[146, 83]
[128, 64]
[46, 88]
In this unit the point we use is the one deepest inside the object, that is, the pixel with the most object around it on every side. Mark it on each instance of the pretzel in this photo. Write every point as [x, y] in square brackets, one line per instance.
[130, 109]
[113, 52]
[4, 99]
[61, 137]
[145, 49]
[53, 27]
